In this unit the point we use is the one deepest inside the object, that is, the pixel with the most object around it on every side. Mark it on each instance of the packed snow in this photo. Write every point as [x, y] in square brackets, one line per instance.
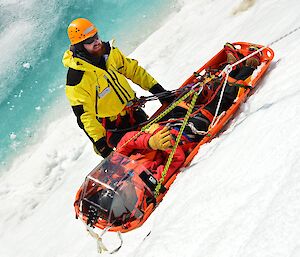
[241, 195]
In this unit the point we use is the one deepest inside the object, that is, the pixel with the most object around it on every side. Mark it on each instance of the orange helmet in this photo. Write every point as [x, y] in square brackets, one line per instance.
[80, 29]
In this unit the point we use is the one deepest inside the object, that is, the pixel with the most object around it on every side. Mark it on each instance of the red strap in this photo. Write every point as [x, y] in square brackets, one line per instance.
[207, 114]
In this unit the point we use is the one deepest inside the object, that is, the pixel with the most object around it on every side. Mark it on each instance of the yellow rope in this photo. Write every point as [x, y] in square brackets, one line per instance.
[189, 111]
[170, 108]
[165, 112]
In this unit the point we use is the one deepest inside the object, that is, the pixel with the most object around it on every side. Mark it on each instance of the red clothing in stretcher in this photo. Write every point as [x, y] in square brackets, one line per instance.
[154, 160]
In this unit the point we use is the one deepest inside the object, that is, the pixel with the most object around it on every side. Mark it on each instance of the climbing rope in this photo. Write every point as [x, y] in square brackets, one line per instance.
[261, 49]
[225, 71]
[170, 158]
[170, 108]
[199, 84]
[100, 245]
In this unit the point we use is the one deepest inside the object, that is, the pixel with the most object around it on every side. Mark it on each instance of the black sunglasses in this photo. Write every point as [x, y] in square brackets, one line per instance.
[91, 40]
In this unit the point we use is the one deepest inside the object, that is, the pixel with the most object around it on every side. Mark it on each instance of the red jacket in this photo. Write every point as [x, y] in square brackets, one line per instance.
[153, 160]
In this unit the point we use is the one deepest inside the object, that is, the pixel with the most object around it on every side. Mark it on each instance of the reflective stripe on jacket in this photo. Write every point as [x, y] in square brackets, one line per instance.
[103, 93]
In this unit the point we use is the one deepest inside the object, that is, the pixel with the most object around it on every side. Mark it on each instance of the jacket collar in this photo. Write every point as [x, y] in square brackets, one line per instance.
[79, 60]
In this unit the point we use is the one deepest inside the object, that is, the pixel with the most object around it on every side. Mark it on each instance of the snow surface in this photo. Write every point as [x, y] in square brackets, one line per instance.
[241, 195]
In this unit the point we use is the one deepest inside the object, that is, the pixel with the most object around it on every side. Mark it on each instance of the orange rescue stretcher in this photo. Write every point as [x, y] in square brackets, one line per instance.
[118, 174]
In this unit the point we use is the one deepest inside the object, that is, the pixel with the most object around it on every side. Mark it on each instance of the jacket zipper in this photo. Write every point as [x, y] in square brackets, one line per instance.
[120, 87]
[117, 93]
[120, 84]
[96, 101]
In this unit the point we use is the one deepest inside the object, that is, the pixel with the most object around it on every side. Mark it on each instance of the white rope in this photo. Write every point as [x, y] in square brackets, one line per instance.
[229, 67]
[261, 49]
[118, 248]
[100, 246]
[284, 36]
[227, 70]
[196, 131]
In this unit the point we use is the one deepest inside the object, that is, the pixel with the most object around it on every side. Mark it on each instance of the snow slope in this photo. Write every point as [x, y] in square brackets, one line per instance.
[241, 195]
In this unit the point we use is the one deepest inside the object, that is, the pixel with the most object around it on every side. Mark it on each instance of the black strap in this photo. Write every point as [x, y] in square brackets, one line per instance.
[151, 182]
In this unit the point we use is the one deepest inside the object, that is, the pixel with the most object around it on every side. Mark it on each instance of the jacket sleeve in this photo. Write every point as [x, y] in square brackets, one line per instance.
[84, 109]
[131, 70]
[140, 143]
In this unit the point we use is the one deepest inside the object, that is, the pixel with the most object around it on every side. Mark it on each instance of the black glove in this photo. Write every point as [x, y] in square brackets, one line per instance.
[102, 148]
[157, 89]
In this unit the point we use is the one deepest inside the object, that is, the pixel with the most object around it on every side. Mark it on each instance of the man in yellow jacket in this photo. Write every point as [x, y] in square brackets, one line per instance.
[97, 86]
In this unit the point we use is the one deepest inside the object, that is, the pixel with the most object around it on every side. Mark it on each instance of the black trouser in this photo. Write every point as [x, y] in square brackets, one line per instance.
[118, 128]
[230, 92]
[199, 121]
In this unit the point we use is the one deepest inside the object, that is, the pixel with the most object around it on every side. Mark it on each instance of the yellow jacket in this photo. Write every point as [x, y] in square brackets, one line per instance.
[100, 93]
